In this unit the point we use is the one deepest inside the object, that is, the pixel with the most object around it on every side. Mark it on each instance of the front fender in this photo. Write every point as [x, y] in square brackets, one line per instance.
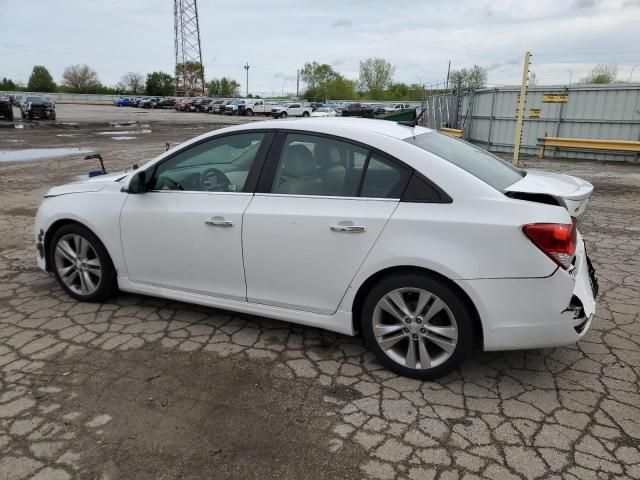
[98, 211]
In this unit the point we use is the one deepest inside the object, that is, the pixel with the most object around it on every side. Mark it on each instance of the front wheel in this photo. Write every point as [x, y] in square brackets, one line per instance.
[283, 115]
[81, 264]
[417, 325]
[249, 113]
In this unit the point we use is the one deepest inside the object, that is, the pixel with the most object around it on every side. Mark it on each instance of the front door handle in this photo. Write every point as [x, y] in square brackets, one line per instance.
[349, 228]
[218, 222]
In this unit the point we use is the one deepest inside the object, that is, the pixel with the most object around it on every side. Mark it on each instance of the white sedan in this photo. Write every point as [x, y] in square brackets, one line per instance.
[324, 112]
[425, 244]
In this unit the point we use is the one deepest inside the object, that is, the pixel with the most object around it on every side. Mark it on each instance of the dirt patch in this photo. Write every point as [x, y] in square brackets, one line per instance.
[22, 212]
[180, 415]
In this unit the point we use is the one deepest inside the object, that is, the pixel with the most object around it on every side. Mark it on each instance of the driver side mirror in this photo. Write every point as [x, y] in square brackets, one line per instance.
[138, 183]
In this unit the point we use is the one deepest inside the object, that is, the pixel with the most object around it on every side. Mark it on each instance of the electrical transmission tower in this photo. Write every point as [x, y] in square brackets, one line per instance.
[189, 69]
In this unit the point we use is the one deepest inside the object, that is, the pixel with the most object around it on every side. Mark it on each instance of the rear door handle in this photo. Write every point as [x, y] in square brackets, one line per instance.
[349, 228]
[218, 222]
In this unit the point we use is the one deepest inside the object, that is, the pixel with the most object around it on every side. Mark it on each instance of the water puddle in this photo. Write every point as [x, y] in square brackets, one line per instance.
[123, 138]
[124, 132]
[19, 125]
[39, 153]
[67, 134]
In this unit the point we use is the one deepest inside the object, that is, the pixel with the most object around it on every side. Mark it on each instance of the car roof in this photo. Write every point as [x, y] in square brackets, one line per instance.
[337, 124]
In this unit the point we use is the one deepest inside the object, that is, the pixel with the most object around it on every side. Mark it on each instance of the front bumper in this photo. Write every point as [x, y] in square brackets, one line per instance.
[519, 313]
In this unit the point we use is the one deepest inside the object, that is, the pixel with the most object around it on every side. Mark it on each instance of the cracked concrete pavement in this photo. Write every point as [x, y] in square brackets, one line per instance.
[141, 387]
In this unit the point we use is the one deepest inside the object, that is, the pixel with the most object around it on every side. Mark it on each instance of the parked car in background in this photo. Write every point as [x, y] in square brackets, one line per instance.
[6, 108]
[356, 110]
[427, 245]
[190, 105]
[122, 102]
[205, 105]
[378, 108]
[166, 103]
[149, 102]
[315, 105]
[37, 106]
[235, 107]
[16, 99]
[324, 112]
[214, 105]
[395, 107]
[290, 110]
[181, 104]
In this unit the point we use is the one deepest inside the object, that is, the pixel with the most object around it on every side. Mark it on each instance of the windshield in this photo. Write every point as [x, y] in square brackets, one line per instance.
[478, 162]
[324, 109]
[36, 99]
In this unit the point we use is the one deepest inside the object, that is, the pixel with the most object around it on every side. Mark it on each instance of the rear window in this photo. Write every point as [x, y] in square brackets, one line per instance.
[478, 162]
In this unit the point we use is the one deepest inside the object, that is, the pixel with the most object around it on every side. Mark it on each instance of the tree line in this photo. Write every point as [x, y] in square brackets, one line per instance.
[375, 82]
[84, 79]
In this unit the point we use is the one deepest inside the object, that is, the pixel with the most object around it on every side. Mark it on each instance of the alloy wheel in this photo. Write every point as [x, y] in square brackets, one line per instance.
[77, 264]
[415, 328]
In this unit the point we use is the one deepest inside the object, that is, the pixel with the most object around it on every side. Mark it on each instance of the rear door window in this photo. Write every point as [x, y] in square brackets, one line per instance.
[478, 162]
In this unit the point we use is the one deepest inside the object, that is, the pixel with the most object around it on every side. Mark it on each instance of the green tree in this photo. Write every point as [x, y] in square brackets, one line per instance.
[7, 84]
[223, 87]
[317, 75]
[602, 74]
[376, 74]
[81, 79]
[159, 84]
[41, 80]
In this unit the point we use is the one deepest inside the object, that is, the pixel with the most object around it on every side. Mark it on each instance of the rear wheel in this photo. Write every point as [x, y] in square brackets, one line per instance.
[305, 114]
[249, 113]
[81, 264]
[417, 326]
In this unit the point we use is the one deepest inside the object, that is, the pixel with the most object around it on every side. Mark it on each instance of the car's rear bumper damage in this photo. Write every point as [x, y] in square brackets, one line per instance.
[546, 312]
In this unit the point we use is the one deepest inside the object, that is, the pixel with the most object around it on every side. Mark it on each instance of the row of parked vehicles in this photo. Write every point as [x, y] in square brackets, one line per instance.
[258, 106]
[31, 106]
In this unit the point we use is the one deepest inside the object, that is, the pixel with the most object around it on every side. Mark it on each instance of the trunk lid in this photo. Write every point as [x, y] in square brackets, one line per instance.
[571, 192]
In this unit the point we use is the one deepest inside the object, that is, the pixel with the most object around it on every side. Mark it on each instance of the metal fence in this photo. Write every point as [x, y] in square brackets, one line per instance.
[610, 112]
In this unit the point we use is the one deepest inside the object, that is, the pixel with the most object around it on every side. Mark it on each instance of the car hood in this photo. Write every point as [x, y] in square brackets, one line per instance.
[92, 184]
[572, 192]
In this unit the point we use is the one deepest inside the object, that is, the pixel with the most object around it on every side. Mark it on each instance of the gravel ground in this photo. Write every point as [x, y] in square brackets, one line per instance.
[151, 389]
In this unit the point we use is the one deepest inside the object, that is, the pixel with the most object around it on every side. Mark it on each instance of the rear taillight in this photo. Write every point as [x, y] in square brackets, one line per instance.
[556, 240]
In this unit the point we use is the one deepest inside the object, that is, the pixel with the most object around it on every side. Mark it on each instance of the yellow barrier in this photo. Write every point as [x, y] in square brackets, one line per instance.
[588, 144]
[452, 132]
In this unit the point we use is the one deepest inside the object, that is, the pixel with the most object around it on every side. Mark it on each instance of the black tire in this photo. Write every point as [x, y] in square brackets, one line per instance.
[305, 114]
[283, 115]
[448, 295]
[248, 112]
[107, 285]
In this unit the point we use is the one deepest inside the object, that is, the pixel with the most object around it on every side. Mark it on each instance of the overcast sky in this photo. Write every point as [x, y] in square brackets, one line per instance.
[278, 36]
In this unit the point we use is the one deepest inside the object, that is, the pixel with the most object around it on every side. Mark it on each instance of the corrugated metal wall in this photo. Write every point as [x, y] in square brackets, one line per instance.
[488, 117]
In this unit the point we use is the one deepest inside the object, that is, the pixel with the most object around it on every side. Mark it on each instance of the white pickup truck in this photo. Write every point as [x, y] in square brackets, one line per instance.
[396, 107]
[248, 107]
[290, 110]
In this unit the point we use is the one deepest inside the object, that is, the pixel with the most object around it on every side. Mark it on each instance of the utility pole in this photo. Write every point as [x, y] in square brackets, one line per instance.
[520, 113]
[246, 67]
[298, 83]
[570, 76]
[446, 88]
